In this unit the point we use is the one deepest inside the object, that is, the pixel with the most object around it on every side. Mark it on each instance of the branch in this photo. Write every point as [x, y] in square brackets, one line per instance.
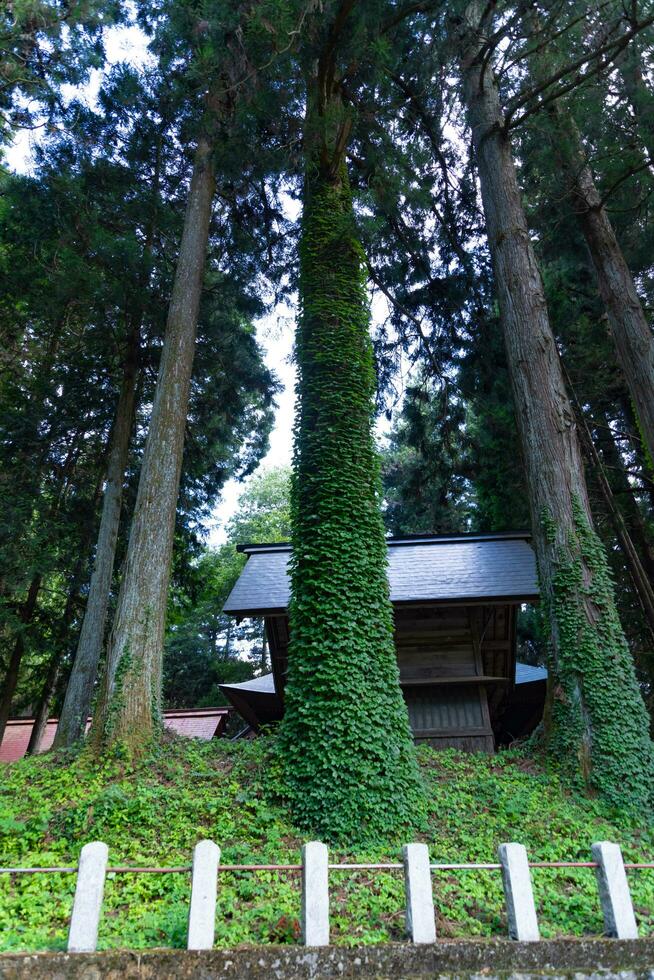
[395, 303]
[548, 38]
[631, 172]
[613, 48]
[326, 62]
[419, 7]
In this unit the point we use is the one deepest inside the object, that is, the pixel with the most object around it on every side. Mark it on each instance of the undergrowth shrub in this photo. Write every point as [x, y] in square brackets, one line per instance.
[155, 812]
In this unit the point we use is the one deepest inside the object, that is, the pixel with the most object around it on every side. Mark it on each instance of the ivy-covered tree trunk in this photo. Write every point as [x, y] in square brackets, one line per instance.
[346, 741]
[79, 692]
[596, 723]
[128, 706]
[634, 560]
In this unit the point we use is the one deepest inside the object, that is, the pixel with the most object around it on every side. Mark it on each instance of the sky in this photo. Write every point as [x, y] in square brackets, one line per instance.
[275, 331]
[275, 335]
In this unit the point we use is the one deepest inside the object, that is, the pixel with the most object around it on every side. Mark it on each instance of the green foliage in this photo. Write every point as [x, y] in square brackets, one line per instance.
[264, 513]
[233, 793]
[45, 44]
[204, 647]
[424, 466]
[347, 746]
[495, 468]
[85, 256]
[603, 737]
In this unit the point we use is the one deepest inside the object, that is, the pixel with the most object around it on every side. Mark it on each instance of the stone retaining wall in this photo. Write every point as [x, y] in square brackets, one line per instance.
[572, 959]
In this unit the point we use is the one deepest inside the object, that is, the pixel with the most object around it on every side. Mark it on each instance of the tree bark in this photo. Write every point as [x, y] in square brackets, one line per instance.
[42, 712]
[632, 335]
[264, 651]
[26, 614]
[53, 674]
[635, 567]
[623, 493]
[600, 737]
[79, 692]
[129, 707]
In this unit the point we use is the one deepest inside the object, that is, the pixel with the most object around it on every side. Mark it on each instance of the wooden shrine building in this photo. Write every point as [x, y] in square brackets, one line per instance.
[455, 601]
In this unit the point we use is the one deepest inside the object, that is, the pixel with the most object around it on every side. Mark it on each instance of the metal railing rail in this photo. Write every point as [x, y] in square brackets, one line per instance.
[513, 863]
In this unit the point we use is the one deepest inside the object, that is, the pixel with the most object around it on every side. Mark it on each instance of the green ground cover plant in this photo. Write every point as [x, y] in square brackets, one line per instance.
[153, 813]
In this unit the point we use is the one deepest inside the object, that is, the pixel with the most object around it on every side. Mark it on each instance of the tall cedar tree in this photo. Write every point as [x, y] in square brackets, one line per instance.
[346, 742]
[81, 682]
[618, 480]
[632, 334]
[53, 403]
[128, 707]
[596, 723]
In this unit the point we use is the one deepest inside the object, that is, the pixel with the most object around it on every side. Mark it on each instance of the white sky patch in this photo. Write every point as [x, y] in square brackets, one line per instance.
[275, 334]
[126, 44]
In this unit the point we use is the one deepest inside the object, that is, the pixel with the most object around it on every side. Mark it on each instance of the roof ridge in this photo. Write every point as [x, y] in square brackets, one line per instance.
[408, 539]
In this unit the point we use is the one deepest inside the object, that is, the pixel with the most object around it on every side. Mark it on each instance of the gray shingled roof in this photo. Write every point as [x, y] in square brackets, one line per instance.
[421, 570]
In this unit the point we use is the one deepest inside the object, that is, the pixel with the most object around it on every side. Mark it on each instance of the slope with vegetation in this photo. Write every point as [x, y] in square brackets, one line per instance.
[153, 813]
[487, 168]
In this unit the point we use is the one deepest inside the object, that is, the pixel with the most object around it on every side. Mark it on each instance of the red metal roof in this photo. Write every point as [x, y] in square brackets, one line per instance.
[204, 723]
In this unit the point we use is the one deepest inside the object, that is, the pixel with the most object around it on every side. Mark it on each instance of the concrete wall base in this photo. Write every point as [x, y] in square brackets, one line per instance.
[569, 959]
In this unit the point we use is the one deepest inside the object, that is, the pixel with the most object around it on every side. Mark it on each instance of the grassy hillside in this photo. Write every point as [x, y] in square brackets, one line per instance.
[187, 790]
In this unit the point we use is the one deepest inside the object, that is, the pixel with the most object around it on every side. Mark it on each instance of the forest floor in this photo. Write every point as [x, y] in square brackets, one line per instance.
[155, 812]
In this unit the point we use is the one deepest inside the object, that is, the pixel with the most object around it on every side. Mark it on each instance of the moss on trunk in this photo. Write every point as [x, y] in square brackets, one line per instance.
[346, 741]
[598, 724]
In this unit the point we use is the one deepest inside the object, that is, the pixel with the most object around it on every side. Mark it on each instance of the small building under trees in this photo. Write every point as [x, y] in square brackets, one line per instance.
[455, 601]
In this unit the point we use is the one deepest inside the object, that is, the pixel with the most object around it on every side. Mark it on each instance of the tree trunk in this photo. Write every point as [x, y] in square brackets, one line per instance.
[26, 614]
[79, 692]
[623, 493]
[632, 335]
[42, 712]
[53, 674]
[264, 651]
[129, 707]
[596, 722]
[346, 739]
[635, 566]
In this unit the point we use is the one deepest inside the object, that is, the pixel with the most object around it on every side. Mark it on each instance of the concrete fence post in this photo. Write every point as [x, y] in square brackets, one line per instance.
[613, 887]
[519, 895]
[420, 919]
[87, 904]
[204, 886]
[315, 894]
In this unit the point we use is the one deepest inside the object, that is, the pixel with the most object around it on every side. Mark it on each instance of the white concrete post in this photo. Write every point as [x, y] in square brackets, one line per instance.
[420, 919]
[613, 887]
[519, 895]
[315, 894]
[87, 904]
[204, 886]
